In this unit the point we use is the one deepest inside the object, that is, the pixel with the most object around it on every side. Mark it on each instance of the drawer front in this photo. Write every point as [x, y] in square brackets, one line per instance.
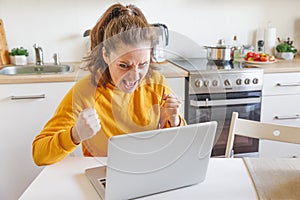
[284, 110]
[269, 148]
[281, 83]
[33, 90]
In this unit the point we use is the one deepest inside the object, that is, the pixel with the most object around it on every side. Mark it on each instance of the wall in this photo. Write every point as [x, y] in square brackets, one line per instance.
[58, 25]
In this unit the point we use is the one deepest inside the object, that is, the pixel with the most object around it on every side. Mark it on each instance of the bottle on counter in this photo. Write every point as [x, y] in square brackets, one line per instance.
[237, 48]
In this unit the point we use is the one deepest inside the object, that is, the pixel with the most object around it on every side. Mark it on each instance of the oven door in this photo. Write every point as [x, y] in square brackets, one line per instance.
[219, 107]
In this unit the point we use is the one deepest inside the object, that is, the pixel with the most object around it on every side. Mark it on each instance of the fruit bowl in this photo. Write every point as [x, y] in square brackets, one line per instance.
[259, 58]
[261, 62]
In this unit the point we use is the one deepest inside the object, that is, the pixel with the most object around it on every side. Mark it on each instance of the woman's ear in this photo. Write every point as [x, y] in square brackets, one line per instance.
[105, 56]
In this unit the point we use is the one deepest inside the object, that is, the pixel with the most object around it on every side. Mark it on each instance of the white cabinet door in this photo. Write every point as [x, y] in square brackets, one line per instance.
[177, 86]
[24, 110]
[280, 105]
[281, 84]
[280, 110]
[284, 110]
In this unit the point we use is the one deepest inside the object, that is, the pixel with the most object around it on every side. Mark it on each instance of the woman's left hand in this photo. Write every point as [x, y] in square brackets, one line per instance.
[171, 108]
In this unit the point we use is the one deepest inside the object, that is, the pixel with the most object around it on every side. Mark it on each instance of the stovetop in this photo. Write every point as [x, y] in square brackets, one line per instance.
[210, 77]
[194, 65]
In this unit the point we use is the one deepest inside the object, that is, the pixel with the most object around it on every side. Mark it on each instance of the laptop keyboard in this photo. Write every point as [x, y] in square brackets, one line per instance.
[103, 182]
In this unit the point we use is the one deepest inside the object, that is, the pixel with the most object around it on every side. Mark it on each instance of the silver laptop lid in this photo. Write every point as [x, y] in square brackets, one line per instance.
[149, 162]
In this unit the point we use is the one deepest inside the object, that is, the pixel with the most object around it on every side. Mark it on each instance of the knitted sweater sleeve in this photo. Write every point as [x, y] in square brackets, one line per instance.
[54, 142]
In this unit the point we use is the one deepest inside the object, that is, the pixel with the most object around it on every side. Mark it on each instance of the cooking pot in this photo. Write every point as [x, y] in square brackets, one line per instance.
[220, 52]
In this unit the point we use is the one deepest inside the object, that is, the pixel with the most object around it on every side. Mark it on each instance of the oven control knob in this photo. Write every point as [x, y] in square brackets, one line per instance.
[255, 81]
[247, 81]
[206, 83]
[215, 83]
[198, 83]
[239, 81]
[227, 82]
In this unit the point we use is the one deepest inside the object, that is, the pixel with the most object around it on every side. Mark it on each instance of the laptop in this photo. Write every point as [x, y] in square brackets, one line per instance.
[150, 162]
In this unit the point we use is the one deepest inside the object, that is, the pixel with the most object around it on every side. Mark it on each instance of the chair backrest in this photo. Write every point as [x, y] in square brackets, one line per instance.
[260, 130]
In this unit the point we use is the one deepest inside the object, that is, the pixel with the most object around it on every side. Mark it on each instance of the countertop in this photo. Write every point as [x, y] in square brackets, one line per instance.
[169, 70]
[282, 66]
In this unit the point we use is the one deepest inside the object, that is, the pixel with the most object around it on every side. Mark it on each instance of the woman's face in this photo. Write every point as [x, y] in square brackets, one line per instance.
[128, 66]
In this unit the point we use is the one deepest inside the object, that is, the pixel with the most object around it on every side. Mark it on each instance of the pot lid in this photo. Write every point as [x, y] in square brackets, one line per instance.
[218, 47]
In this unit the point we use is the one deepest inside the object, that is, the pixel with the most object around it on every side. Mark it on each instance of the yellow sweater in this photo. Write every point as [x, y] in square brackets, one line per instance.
[119, 113]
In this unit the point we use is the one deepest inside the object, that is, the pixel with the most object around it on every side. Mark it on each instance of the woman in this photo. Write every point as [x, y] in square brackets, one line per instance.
[122, 94]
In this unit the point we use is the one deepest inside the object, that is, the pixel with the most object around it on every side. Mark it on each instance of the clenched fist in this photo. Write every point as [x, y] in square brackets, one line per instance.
[171, 108]
[87, 125]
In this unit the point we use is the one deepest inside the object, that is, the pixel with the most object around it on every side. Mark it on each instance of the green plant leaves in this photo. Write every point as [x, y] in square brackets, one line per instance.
[19, 52]
[285, 47]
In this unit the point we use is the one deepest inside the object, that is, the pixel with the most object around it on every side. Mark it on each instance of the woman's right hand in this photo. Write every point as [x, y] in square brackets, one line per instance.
[87, 125]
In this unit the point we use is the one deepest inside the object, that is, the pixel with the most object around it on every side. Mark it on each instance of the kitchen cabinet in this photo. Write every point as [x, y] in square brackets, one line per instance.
[280, 105]
[25, 108]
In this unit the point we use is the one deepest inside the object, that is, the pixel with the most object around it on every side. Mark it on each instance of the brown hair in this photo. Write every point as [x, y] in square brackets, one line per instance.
[117, 19]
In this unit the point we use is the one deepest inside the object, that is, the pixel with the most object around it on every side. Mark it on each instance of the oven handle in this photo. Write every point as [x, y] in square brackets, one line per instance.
[225, 102]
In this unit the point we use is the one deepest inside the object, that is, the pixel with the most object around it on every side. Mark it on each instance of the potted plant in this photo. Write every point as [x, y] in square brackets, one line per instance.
[286, 50]
[18, 56]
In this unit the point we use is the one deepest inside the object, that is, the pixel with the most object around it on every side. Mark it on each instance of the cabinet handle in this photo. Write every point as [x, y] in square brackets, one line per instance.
[287, 117]
[287, 84]
[39, 96]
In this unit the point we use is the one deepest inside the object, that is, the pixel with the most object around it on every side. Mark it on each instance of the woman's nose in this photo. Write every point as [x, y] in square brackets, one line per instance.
[133, 73]
[136, 69]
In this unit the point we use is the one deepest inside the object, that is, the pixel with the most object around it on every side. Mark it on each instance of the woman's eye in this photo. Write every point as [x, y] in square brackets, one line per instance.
[123, 65]
[145, 64]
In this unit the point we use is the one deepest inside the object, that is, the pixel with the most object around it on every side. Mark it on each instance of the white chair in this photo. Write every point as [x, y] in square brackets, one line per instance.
[259, 130]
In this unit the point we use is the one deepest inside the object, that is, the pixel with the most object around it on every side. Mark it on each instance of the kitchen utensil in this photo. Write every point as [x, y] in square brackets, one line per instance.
[278, 39]
[4, 55]
[220, 52]
[161, 42]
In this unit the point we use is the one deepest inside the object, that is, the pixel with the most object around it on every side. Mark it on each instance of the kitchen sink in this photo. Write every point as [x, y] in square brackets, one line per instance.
[35, 69]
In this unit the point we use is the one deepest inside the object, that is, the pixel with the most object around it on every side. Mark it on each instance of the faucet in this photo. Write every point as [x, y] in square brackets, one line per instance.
[38, 54]
[56, 59]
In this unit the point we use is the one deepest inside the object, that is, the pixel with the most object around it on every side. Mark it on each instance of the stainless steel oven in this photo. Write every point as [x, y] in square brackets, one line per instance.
[214, 91]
